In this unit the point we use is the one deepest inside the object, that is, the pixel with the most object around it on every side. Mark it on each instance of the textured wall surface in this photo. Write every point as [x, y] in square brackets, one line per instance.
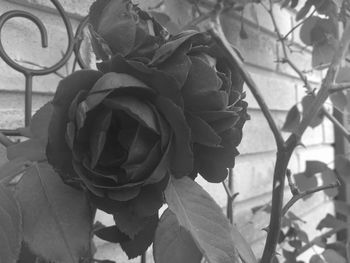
[278, 83]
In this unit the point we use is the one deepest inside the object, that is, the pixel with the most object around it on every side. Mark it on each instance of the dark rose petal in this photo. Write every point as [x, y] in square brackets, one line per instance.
[142, 170]
[211, 116]
[111, 82]
[202, 78]
[87, 182]
[150, 199]
[107, 205]
[98, 135]
[138, 245]
[70, 134]
[163, 128]
[223, 155]
[182, 159]
[141, 146]
[58, 153]
[208, 101]
[166, 50]
[129, 222]
[224, 124]
[202, 133]
[159, 81]
[162, 168]
[178, 66]
[114, 21]
[135, 108]
[124, 193]
[212, 172]
[111, 234]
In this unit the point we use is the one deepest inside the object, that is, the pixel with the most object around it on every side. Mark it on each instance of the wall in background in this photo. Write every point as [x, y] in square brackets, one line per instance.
[279, 86]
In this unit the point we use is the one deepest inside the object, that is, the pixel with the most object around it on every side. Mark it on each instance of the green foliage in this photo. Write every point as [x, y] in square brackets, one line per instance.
[191, 204]
[10, 226]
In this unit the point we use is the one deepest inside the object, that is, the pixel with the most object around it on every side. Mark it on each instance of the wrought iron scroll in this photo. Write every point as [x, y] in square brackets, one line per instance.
[74, 43]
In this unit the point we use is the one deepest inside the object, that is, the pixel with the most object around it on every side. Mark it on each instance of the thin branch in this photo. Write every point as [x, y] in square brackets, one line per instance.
[4, 140]
[337, 124]
[218, 35]
[301, 195]
[298, 25]
[339, 87]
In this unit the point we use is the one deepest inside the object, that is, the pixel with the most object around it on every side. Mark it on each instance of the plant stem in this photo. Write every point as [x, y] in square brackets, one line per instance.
[283, 157]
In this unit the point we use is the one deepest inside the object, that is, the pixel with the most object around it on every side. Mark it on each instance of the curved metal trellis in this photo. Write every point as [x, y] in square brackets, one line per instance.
[74, 43]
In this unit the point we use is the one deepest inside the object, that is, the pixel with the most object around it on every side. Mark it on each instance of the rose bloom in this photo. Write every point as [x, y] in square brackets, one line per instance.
[118, 26]
[190, 71]
[120, 132]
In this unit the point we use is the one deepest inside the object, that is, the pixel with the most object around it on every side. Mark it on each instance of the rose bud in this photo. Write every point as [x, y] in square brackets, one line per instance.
[120, 27]
[190, 71]
[119, 139]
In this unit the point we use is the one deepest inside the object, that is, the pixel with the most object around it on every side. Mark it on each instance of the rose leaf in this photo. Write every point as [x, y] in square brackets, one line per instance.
[197, 212]
[32, 149]
[329, 221]
[292, 120]
[57, 220]
[13, 168]
[314, 167]
[173, 243]
[10, 226]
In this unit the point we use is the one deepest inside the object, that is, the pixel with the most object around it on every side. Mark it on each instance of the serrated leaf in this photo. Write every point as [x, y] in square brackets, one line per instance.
[197, 212]
[173, 243]
[314, 167]
[331, 222]
[342, 166]
[10, 227]
[292, 120]
[57, 220]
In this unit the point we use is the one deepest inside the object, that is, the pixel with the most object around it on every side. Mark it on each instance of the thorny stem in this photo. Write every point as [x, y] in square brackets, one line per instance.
[283, 156]
[307, 85]
[4, 140]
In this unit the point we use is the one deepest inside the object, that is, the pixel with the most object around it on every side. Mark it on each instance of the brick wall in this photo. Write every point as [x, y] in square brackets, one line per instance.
[278, 83]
